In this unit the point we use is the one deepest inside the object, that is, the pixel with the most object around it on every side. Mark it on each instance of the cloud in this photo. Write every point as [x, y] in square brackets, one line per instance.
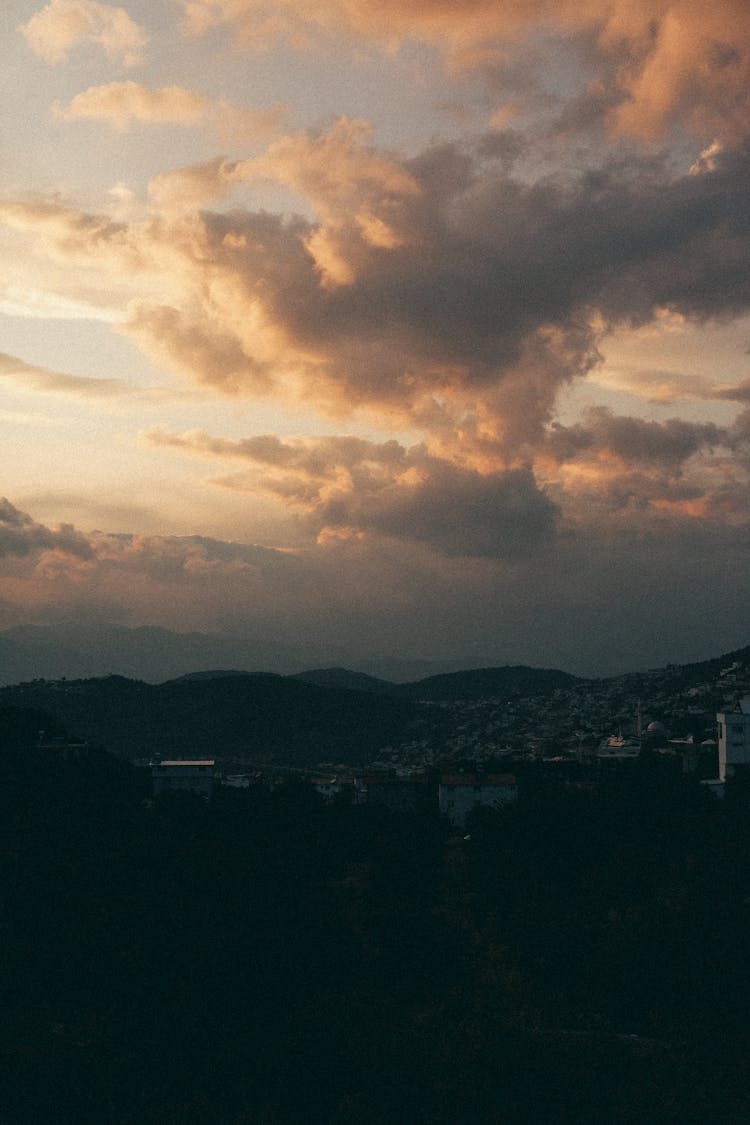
[39, 304]
[178, 582]
[186, 190]
[122, 104]
[20, 535]
[64, 24]
[740, 392]
[66, 235]
[613, 470]
[665, 59]
[441, 293]
[350, 485]
[30, 377]
[361, 196]
[660, 444]
[669, 586]
[665, 386]
[41, 380]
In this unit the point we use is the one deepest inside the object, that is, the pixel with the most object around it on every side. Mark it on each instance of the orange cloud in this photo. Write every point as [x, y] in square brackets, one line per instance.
[361, 197]
[120, 104]
[488, 295]
[670, 57]
[63, 24]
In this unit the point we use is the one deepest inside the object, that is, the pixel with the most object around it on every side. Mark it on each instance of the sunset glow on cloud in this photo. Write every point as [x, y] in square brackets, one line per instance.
[421, 329]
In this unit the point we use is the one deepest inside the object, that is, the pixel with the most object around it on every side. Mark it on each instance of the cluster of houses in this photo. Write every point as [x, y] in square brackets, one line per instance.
[458, 793]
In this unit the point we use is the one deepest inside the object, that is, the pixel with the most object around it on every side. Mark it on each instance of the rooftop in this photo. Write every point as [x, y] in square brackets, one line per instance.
[189, 762]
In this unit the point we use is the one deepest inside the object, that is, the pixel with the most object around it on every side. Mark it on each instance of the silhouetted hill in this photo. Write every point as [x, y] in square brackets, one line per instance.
[352, 681]
[262, 717]
[483, 682]
[709, 669]
[213, 674]
[147, 653]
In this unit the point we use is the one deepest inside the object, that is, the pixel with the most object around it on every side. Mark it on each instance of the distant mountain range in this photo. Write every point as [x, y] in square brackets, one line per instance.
[477, 683]
[77, 651]
[321, 715]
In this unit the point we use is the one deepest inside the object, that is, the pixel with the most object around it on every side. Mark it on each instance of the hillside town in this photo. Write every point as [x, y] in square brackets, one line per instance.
[476, 752]
[526, 882]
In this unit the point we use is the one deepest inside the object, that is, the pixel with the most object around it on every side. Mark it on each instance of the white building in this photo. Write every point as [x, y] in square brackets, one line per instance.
[188, 776]
[734, 738]
[459, 793]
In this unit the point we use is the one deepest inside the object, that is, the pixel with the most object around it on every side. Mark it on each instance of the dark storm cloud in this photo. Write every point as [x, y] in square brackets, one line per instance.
[649, 444]
[20, 536]
[355, 485]
[499, 515]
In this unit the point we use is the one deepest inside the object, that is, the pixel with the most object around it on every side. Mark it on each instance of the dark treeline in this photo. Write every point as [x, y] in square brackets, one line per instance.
[581, 958]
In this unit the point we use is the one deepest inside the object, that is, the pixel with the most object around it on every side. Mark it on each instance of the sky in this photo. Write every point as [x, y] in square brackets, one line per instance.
[413, 331]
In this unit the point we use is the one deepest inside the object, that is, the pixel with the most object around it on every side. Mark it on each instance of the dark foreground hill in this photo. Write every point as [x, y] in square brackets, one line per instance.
[259, 717]
[336, 715]
[352, 681]
[482, 683]
[508, 682]
[578, 959]
[329, 715]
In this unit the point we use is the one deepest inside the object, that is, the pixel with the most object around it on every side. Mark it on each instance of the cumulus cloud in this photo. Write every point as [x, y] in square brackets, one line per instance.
[613, 468]
[122, 104]
[64, 24]
[361, 196]
[346, 484]
[188, 189]
[663, 444]
[667, 58]
[440, 293]
[20, 536]
[30, 551]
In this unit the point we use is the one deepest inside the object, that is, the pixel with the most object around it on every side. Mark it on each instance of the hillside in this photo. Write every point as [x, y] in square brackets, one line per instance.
[261, 717]
[483, 683]
[352, 681]
[334, 715]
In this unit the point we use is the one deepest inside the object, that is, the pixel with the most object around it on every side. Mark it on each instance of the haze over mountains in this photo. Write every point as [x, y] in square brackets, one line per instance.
[154, 654]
